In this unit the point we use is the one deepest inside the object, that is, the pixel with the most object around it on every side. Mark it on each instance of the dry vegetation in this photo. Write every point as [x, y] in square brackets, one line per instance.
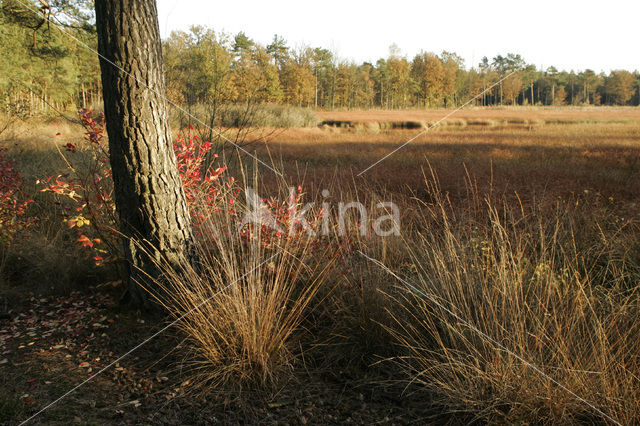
[538, 162]
[514, 115]
[523, 233]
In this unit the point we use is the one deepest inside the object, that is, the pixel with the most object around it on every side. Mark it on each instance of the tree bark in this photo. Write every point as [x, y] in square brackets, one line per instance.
[532, 99]
[149, 197]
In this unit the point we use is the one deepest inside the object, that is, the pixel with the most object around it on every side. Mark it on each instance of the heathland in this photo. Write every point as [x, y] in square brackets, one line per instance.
[510, 293]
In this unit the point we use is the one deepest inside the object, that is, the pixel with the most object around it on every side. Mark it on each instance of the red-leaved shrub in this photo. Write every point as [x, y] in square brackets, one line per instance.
[13, 204]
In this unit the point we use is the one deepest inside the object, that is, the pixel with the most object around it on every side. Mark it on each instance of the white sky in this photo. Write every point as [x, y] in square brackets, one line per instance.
[569, 34]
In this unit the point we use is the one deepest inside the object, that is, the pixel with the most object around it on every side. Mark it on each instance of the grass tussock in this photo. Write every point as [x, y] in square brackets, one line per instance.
[503, 305]
[244, 303]
[243, 318]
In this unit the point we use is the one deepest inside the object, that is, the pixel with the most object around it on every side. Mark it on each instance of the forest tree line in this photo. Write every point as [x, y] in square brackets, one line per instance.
[43, 69]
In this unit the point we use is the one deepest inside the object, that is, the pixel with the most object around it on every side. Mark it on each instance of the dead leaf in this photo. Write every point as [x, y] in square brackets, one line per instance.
[276, 404]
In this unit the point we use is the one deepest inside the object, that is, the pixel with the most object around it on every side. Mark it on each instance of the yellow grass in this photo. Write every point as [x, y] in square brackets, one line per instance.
[496, 294]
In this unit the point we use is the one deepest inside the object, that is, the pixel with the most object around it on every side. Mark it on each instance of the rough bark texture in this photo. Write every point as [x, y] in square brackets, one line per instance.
[149, 196]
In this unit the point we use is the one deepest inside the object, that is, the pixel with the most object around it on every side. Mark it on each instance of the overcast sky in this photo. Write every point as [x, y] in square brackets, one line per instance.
[601, 35]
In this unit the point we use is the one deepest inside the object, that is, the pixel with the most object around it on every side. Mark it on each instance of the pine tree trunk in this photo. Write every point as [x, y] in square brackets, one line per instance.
[532, 99]
[148, 191]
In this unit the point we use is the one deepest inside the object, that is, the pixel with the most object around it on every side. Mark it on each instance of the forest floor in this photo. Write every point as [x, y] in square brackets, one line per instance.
[53, 343]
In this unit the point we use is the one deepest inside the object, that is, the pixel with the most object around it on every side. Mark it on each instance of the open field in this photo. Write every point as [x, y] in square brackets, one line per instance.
[511, 115]
[541, 161]
[524, 229]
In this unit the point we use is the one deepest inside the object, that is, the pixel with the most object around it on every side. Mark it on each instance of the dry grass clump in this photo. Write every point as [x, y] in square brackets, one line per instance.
[244, 317]
[493, 288]
[255, 303]
[244, 304]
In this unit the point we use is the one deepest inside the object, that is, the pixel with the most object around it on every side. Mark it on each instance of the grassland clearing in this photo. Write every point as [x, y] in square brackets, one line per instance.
[528, 230]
